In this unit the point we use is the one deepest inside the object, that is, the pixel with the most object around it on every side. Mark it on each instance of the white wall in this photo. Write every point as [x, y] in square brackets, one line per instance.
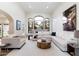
[57, 20]
[15, 12]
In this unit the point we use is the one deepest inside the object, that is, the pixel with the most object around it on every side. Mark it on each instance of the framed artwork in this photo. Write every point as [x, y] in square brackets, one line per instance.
[18, 25]
[70, 22]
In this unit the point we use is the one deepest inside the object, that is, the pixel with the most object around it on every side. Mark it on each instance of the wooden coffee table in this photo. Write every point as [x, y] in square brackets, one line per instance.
[43, 44]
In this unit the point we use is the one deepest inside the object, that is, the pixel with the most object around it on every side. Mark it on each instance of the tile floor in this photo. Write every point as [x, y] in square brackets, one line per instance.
[31, 49]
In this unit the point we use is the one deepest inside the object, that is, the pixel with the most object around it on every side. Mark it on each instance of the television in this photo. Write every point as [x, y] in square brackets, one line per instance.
[53, 33]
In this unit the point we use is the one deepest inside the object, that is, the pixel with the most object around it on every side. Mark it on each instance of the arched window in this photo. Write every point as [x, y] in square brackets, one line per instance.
[38, 23]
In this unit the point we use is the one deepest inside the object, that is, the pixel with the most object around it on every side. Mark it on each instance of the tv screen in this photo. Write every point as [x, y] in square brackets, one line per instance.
[53, 33]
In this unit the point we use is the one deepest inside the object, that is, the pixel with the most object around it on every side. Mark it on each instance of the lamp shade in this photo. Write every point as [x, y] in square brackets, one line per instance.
[76, 34]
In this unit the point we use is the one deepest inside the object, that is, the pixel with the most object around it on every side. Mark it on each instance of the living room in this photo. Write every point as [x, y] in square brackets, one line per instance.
[18, 31]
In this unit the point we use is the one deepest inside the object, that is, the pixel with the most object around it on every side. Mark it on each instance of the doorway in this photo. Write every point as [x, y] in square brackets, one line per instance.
[6, 24]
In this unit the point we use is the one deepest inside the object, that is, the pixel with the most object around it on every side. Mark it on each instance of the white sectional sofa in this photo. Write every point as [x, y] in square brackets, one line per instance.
[62, 43]
[15, 41]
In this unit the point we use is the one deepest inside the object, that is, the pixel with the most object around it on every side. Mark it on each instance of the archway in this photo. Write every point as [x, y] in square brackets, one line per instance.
[7, 19]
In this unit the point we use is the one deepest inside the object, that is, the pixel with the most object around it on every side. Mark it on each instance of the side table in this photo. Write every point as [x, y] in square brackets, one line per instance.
[72, 49]
[4, 46]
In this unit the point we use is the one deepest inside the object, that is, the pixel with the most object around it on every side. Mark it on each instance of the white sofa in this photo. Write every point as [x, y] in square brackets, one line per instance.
[15, 41]
[62, 43]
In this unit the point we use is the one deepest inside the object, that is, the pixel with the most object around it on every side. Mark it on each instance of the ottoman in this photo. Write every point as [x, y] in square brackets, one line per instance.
[43, 44]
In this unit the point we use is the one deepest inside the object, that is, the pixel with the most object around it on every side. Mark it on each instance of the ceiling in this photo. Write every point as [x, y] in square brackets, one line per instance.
[39, 7]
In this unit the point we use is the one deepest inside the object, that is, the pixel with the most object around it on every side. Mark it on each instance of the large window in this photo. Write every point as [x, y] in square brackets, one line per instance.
[30, 25]
[47, 24]
[38, 23]
[4, 27]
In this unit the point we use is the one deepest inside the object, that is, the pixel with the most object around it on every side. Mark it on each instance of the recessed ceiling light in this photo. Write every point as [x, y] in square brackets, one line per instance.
[47, 7]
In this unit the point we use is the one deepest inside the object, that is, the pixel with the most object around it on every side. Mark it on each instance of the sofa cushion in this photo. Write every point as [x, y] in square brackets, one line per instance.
[60, 40]
[60, 43]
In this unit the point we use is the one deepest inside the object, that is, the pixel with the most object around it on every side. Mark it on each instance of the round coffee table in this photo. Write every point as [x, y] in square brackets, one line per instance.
[43, 44]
